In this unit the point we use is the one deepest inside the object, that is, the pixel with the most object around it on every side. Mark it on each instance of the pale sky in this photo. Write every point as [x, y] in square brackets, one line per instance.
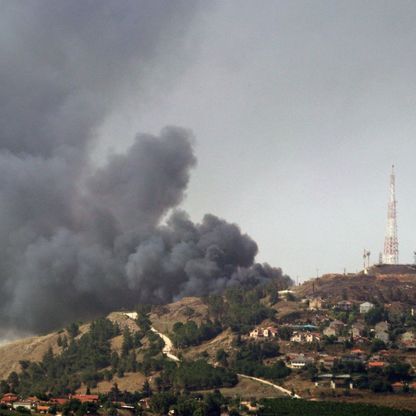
[299, 109]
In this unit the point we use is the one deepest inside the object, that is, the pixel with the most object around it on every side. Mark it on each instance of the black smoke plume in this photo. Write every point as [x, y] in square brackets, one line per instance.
[76, 241]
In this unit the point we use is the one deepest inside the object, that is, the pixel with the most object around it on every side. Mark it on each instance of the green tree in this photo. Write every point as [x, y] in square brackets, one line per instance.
[13, 381]
[377, 345]
[146, 389]
[285, 333]
[127, 342]
[73, 329]
[375, 315]
[222, 357]
[4, 387]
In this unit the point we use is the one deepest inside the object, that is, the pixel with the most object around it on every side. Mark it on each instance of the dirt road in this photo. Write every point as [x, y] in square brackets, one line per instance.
[168, 348]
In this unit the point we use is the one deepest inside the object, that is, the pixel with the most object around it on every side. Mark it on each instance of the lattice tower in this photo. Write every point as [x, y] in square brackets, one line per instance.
[391, 243]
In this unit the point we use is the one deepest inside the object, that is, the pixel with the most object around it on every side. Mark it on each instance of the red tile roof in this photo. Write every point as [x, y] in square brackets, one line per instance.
[83, 398]
[376, 364]
[59, 400]
[9, 398]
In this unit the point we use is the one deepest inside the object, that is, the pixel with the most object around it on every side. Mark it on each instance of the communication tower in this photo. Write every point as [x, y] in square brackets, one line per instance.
[391, 244]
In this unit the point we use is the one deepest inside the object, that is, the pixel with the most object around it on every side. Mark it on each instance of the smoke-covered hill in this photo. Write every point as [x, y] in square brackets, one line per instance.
[77, 241]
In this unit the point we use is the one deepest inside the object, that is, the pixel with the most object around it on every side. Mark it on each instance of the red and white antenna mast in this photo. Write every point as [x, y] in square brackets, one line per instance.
[391, 244]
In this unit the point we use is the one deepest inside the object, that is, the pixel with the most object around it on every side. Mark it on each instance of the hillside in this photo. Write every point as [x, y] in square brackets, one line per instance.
[103, 353]
[34, 348]
[162, 317]
[213, 344]
[385, 284]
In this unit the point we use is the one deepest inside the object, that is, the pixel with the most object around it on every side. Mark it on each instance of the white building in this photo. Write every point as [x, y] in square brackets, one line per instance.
[300, 361]
[305, 337]
[366, 307]
[269, 332]
[25, 404]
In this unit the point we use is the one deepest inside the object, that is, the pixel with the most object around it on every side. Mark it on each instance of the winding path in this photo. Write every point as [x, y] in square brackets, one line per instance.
[167, 350]
[269, 383]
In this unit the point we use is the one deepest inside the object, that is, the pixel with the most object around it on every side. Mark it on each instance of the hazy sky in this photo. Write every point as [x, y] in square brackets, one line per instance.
[299, 108]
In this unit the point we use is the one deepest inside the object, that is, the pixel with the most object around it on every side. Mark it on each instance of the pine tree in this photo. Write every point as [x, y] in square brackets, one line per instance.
[146, 389]
[127, 342]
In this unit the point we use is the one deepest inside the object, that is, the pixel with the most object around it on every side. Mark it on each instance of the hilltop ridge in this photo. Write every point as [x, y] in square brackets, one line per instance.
[380, 283]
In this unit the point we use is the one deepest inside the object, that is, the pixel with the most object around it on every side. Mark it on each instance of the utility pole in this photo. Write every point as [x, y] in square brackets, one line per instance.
[391, 244]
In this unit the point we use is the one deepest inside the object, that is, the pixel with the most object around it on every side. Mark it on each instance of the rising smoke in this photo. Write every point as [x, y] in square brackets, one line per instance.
[76, 241]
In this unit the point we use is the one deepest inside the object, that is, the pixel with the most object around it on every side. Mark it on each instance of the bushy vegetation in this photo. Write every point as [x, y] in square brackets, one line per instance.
[88, 359]
[190, 334]
[379, 380]
[84, 359]
[194, 375]
[188, 404]
[240, 308]
[80, 361]
[249, 361]
[294, 407]
[201, 375]
[375, 315]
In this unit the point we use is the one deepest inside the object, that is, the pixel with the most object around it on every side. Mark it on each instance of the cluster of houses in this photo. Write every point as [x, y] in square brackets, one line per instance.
[337, 330]
[318, 303]
[305, 337]
[262, 333]
[326, 362]
[34, 404]
[324, 327]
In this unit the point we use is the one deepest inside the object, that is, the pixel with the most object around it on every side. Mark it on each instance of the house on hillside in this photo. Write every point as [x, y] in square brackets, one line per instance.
[408, 340]
[344, 305]
[43, 408]
[261, 333]
[408, 336]
[398, 387]
[366, 307]
[299, 361]
[251, 407]
[270, 332]
[303, 337]
[334, 328]
[382, 336]
[145, 403]
[8, 399]
[358, 353]
[22, 404]
[59, 400]
[286, 294]
[382, 326]
[330, 331]
[362, 341]
[297, 336]
[376, 364]
[327, 361]
[381, 331]
[86, 398]
[311, 337]
[357, 330]
[316, 304]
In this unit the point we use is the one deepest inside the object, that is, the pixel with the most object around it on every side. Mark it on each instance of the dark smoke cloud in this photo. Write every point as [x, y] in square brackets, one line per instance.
[77, 241]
